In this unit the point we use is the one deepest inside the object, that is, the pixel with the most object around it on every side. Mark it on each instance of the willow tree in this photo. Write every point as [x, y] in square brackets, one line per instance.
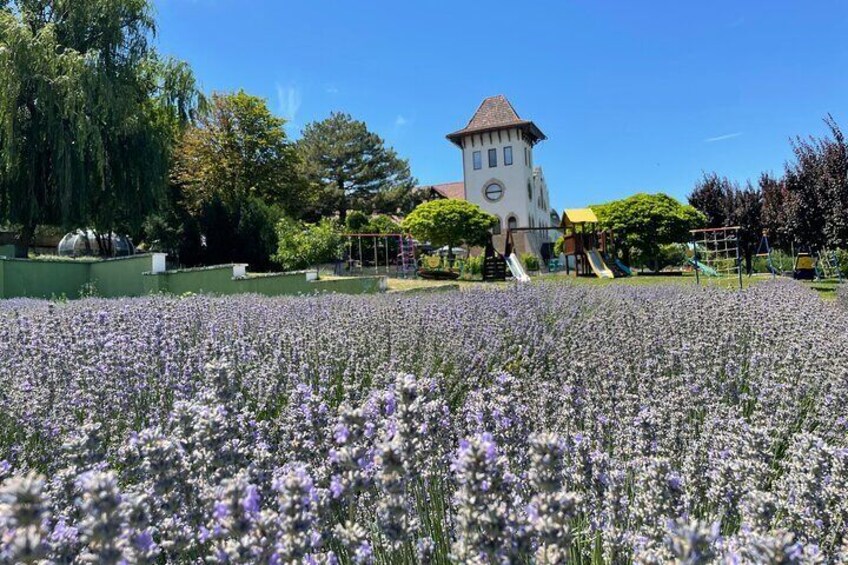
[88, 114]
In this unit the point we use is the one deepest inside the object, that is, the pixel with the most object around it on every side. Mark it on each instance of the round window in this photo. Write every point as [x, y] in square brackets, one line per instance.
[494, 192]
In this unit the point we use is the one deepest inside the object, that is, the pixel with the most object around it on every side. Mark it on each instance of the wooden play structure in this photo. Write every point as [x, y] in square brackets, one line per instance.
[585, 246]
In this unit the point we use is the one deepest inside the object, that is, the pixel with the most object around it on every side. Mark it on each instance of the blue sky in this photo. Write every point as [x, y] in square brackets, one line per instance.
[633, 96]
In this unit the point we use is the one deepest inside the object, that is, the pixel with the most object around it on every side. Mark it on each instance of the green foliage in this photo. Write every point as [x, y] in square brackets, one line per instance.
[559, 244]
[644, 222]
[530, 261]
[306, 245]
[356, 222]
[238, 150]
[245, 234]
[450, 222]
[349, 167]
[780, 260]
[175, 231]
[234, 176]
[88, 114]
[671, 255]
[382, 224]
[473, 266]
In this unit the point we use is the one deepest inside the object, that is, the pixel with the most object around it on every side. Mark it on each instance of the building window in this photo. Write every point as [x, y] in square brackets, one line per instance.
[529, 192]
[477, 157]
[493, 192]
[512, 223]
[496, 230]
[493, 158]
[526, 158]
[532, 223]
[508, 155]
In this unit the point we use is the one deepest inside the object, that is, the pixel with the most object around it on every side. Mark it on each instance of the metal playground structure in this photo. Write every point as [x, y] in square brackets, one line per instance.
[390, 254]
[715, 253]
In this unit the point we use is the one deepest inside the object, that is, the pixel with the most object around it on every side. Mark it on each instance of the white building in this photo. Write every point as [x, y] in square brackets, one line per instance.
[499, 173]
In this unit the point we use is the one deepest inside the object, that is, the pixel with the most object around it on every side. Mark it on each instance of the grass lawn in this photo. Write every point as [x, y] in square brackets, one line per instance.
[826, 289]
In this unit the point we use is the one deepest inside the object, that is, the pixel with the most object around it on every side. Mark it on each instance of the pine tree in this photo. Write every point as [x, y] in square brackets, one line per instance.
[349, 167]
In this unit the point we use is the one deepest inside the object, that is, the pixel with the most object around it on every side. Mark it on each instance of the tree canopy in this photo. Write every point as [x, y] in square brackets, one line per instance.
[450, 222]
[88, 114]
[238, 150]
[350, 167]
[235, 175]
[807, 207]
[307, 245]
[643, 223]
[725, 204]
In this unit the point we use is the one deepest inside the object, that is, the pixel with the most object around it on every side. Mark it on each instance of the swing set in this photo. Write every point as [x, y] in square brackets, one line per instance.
[806, 265]
[391, 254]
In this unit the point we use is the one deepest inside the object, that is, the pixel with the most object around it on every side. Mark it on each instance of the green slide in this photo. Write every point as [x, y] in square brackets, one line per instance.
[709, 271]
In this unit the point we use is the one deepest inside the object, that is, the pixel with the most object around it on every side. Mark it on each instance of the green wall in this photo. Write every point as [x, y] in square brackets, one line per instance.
[7, 251]
[219, 280]
[206, 280]
[131, 276]
[44, 279]
[120, 277]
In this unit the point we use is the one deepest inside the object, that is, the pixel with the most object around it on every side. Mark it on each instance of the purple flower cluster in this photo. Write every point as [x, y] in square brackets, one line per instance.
[547, 423]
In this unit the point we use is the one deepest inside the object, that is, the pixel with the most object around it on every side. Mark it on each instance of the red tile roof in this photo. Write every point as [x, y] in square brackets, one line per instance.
[451, 190]
[495, 113]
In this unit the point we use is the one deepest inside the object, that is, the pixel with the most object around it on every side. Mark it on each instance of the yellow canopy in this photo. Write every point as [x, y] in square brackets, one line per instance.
[574, 216]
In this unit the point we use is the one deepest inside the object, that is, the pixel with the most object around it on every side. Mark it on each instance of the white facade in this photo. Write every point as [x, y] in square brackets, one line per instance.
[523, 197]
[499, 172]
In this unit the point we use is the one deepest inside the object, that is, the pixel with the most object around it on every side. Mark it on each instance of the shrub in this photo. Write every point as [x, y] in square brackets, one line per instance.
[474, 265]
[531, 262]
[356, 222]
[558, 246]
[306, 245]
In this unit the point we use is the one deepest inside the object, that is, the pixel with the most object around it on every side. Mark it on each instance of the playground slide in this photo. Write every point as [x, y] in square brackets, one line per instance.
[709, 271]
[623, 267]
[516, 269]
[598, 266]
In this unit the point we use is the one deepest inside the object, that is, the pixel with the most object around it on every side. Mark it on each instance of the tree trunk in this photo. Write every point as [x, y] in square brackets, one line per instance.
[343, 203]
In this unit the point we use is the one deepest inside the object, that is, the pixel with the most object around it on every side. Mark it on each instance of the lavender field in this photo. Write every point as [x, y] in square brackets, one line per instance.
[544, 424]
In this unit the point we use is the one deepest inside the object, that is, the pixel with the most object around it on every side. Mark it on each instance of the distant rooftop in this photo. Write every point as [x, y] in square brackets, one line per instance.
[451, 190]
[496, 113]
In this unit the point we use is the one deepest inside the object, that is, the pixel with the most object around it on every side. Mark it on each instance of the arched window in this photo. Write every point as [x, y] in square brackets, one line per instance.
[493, 192]
[529, 191]
[512, 222]
[497, 229]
